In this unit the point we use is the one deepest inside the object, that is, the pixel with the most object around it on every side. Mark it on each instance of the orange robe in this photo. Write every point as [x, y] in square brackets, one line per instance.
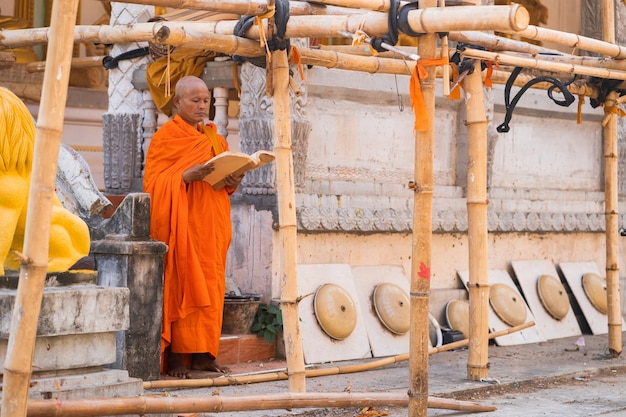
[194, 221]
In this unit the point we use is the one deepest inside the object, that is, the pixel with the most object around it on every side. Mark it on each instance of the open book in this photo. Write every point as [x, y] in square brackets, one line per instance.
[236, 163]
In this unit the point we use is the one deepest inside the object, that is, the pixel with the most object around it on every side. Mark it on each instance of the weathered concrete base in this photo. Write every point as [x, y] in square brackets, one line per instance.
[105, 383]
[70, 351]
[76, 340]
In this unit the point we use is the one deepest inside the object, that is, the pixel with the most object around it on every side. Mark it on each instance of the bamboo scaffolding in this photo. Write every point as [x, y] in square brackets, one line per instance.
[611, 198]
[422, 233]
[478, 357]
[287, 232]
[544, 65]
[216, 404]
[314, 373]
[373, 23]
[571, 40]
[23, 329]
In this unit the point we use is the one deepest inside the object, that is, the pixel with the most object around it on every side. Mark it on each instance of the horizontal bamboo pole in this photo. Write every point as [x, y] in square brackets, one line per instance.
[216, 404]
[312, 373]
[587, 61]
[571, 40]
[499, 43]
[544, 65]
[79, 62]
[375, 5]
[373, 23]
[247, 7]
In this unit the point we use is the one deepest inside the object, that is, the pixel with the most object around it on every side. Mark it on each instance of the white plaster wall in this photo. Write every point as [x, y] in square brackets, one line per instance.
[450, 251]
[360, 131]
[546, 148]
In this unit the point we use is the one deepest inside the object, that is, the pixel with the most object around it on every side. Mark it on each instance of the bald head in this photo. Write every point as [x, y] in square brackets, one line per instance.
[192, 99]
[188, 84]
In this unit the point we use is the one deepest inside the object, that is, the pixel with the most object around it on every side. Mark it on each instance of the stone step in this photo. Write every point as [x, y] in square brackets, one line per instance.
[243, 348]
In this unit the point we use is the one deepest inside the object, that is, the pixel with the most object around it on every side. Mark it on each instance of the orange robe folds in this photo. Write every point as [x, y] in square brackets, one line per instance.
[194, 221]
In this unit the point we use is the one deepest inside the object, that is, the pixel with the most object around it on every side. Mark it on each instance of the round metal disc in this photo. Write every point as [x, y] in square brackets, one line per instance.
[335, 311]
[595, 289]
[457, 315]
[507, 304]
[392, 306]
[553, 296]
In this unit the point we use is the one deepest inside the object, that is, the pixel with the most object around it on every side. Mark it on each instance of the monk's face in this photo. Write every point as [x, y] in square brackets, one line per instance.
[193, 102]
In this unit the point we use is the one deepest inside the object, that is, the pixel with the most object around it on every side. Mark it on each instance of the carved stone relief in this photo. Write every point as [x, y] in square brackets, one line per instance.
[364, 220]
[256, 130]
[122, 153]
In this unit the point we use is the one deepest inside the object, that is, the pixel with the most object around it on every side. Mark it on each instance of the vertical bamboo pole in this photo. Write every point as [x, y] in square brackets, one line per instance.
[444, 52]
[476, 122]
[611, 200]
[17, 364]
[422, 236]
[287, 223]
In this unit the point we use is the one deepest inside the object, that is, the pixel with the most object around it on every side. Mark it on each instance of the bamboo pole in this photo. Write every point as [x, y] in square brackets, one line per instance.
[252, 7]
[498, 43]
[478, 360]
[544, 65]
[22, 333]
[216, 404]
[445, 53]
[571, 40]
[611, 197]
[422, 233]
[314, 373]
[287, 232]
[587, 61]
[79, 62]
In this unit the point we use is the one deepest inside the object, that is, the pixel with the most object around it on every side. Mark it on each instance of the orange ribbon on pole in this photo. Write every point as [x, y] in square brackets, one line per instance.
[415, 90]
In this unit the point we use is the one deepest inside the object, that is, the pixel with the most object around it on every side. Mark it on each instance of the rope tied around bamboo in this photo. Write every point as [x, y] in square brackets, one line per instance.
[278, 42]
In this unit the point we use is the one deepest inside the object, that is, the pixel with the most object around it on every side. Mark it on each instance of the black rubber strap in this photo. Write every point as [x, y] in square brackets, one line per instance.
[391, 38]
[568, 98]
[109, 62]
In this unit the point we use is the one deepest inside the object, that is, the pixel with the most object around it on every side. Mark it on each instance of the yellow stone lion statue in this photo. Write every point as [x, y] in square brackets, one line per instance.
[69, 234]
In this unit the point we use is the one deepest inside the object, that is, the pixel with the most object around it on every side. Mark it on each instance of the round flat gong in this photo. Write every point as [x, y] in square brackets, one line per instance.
[507, 304]
[553, 296]
[392, 306]
[595, 289]
[335, 311]
[457, 316]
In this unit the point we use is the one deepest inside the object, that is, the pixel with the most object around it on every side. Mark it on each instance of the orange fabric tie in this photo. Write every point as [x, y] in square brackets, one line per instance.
[488, 80]
[581, 101]
[415, 89]
[294, 58]
[455, 93]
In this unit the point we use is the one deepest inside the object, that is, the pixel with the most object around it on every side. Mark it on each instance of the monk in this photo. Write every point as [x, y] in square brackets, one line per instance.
[194, 221]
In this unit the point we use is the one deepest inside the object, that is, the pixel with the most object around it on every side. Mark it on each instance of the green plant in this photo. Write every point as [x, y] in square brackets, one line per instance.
[268, 322]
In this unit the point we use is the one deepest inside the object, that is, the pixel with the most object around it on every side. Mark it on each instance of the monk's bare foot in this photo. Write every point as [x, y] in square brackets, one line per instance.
[206, 362]
[176, 367]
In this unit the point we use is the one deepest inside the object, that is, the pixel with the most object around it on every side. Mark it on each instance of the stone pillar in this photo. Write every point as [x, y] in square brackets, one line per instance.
[127, 257]
[122, 135]
[221, 110]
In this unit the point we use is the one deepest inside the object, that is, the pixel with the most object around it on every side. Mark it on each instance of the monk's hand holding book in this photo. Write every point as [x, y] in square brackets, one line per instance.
[197, 172]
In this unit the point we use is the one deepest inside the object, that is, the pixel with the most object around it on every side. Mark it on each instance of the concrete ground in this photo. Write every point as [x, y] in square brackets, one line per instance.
[554, 378]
